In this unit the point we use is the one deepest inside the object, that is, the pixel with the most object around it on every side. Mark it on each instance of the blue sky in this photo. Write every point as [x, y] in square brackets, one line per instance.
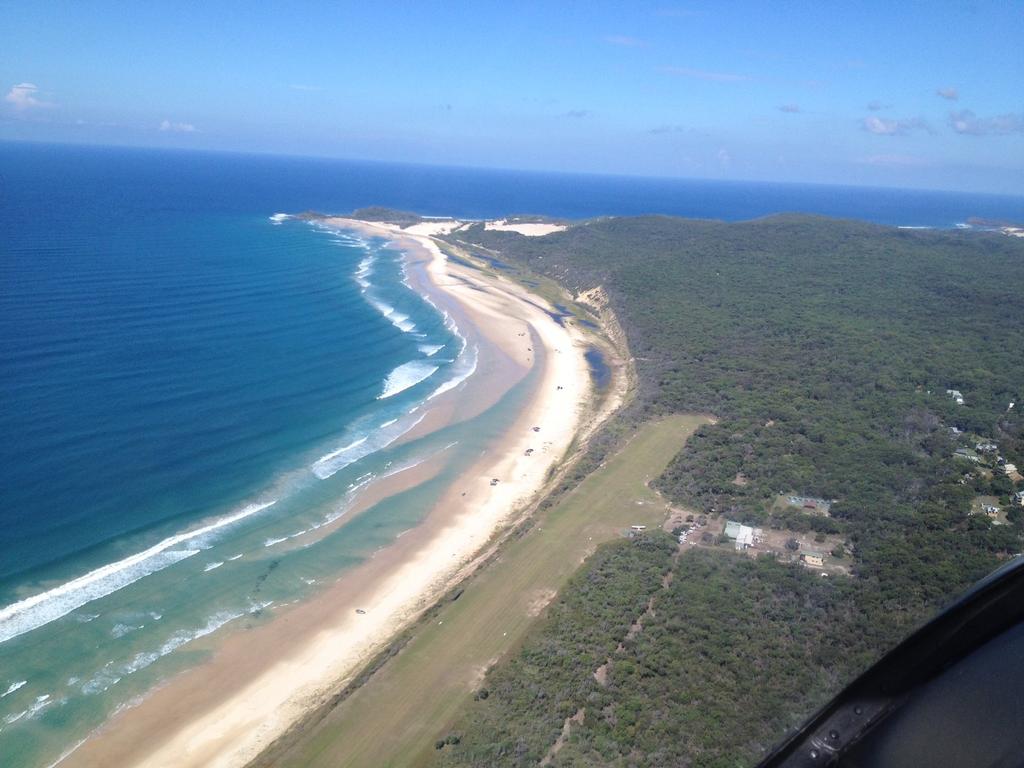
[924, 94]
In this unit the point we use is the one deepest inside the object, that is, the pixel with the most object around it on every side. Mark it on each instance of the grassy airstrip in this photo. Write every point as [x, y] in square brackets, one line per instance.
[396, 716]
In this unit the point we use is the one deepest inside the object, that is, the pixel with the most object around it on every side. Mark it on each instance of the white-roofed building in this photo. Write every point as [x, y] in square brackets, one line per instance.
[745, 538]
[742, 535]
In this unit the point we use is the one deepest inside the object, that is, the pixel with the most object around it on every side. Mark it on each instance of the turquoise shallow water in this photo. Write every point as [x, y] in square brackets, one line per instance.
[193, 398]
[83, 667]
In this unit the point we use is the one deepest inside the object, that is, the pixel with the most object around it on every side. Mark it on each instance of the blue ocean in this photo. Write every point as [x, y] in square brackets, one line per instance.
[189, 383]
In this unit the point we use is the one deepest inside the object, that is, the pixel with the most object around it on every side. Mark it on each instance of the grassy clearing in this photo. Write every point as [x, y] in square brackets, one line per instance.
[395, 718]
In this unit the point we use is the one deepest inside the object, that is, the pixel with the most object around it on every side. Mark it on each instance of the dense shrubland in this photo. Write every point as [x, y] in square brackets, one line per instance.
[825, 349]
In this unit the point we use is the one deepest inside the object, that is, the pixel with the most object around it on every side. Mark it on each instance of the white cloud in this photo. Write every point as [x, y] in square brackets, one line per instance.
[952, 94]
[168, 127]
[724, 158]
[881, 126]
[966, 122]
[25, 96]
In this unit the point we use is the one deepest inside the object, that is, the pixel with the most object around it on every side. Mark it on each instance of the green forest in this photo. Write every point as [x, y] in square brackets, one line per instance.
[825, 348]
[731, 652]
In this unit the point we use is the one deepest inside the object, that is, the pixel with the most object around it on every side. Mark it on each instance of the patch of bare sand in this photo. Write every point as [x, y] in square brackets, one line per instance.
[529, 229]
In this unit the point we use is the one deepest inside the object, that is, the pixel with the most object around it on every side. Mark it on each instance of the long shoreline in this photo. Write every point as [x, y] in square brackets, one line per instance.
[227, 710]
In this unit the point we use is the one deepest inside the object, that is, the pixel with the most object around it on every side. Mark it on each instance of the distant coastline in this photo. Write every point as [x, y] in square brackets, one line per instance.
[286, 183]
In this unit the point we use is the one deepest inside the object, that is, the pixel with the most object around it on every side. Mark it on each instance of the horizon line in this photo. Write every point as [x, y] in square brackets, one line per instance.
[504, 169]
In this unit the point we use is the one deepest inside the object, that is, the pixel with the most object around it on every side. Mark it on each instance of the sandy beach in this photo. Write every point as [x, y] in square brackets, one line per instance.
[261, 681]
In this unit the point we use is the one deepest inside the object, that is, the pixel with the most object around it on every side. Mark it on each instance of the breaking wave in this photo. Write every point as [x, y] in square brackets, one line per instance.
[463, 368]
[405, 376]
[33, 612]
[392, 315]
[377, 440]
[112, 673]
[12, 688]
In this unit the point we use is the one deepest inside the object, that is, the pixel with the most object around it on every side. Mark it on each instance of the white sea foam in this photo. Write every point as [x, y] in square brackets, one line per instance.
[113, 673]
[450, 325]
[235, 557]
[360, 481]
[430, 349]
[464, 367]
[13, 687]
[349, 447]
[67, 753]
[417, 462]
[100, 682]
[272, 542]
[35, 611]
[449, 322]
[405, 376]
[330, 517]
[387, 423]
[120, 630]
[362, 277]
[348, 242]
[364, 271]
[402, 322]
[339, 511]
[14, 718]
[213, 566]
[278, 218]
[40, 703]
[377, 440]
[396, 318]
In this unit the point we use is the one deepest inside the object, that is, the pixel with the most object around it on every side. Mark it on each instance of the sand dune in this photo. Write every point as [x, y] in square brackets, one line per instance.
[534, 229]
